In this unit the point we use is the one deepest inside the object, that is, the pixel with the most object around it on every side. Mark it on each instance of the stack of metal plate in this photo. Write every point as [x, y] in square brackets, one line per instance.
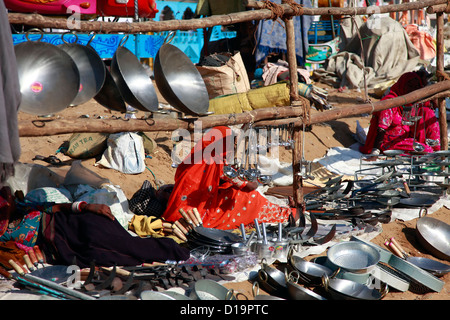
[218, 241]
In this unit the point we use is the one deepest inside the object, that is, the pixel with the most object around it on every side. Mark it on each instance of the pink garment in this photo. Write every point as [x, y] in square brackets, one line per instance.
[400, 136]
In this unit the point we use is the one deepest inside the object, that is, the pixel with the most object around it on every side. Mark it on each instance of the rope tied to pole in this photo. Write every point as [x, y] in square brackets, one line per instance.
[296, 7]
[277, 10]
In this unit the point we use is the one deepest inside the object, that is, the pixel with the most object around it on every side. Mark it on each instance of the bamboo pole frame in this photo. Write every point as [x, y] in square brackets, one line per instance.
[51, 127]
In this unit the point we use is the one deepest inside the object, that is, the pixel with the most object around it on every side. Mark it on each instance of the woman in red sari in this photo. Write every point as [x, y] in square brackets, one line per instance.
[223, 203]
[387, 131]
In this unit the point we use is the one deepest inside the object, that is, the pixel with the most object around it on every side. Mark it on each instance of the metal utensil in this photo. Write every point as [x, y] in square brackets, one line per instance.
[90, 67]
[343, 289]
[179, 81]
[48, 77]
[353, 256]
[434, 235]
[133, 82]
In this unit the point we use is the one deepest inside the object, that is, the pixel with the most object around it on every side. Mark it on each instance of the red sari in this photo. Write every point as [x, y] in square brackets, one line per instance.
[397, 135]
[221, 202]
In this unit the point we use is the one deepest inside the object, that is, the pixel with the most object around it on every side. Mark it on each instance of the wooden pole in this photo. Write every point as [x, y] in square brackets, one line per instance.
[39, 21]
[297, 153]
[440, 69]
[49, 127]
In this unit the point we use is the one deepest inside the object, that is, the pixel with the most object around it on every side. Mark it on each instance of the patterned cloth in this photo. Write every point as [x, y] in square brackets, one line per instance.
[271, 35]
[26, 230]
[223, 203]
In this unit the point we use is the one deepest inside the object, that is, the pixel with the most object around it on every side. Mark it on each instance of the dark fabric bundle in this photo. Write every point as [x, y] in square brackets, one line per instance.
[145, 202]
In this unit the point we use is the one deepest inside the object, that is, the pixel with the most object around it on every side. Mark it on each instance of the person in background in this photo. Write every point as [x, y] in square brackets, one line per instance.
[393, 129]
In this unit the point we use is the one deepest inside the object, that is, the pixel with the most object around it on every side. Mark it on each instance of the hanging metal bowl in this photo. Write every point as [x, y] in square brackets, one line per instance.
[179, 81]
[48, 77]
[90, 67]
[434, 235]
[133, 82]
[109, 95]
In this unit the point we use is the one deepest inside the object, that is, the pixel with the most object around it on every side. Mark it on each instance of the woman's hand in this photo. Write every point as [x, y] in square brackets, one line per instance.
[250, 186]
[101, 209]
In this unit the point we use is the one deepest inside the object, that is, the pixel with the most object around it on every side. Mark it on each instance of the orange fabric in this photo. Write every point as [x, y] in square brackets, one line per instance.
[222, 203]
[422, 40]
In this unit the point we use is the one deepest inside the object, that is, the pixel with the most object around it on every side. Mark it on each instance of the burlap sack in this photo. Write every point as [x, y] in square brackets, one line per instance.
[227, 79]
[86, 145]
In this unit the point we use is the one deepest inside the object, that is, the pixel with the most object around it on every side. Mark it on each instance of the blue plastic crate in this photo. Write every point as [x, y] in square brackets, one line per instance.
[321, 31]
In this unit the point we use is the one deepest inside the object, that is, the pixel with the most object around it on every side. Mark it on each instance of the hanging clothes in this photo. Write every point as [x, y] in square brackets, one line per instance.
[271, 35]
[223, 203]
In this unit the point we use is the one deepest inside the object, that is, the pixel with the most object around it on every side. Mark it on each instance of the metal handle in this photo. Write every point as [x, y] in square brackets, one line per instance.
[70, 32]
[169, 37]
[255, 288]
[229, 295]
[325, 281]
[35, 29]
[91, 39]
[123, 40]
[420, 212]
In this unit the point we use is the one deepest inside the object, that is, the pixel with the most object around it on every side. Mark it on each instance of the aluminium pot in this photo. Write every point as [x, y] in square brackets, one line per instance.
[179, 81]
[48, 77]
[343, 289]
[434, 235]
[109, 95]
[352, 256]
[90, 67]
[205, 289]
[133, 82]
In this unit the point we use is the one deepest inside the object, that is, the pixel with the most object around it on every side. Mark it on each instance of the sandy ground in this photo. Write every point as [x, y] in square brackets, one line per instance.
[318, 141]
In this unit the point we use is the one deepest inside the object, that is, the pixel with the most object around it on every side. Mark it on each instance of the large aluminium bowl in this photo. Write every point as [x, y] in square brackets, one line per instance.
[48, 77]
[90, 67]
[434, 235]
[179, 81]
[133, 82]
[353, 256]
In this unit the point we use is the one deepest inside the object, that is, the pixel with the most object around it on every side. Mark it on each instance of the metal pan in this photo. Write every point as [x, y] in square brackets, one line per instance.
[297, 292]
[133, 82]
[434, 235]
[48, 77]
[416, 201]
[411, 271]
[205, 289]
[217, 235]
[109, 95]
[309, 272]
[353, 256]
[343, 289]
[272, 276]
[57, 273]
[434, 267]
[90, 67]
[179, 81]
